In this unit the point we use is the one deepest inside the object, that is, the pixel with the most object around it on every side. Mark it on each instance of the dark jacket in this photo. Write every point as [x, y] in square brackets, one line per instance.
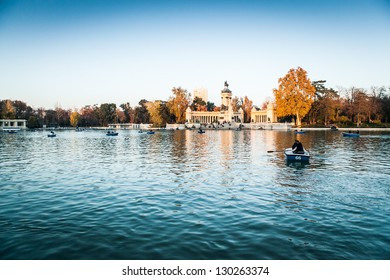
[297, 148]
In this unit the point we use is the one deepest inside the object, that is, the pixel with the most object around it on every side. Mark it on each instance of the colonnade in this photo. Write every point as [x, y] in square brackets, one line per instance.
[260, 118]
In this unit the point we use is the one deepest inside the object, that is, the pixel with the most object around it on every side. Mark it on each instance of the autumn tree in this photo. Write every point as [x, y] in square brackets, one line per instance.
[295, 95]
[360, 105]
[247, 108]
[7, 109]
[74, 118]
[375, 99]
[63, 116]
[236, 103]
[178, 103]
[89, 115]
[155, 110]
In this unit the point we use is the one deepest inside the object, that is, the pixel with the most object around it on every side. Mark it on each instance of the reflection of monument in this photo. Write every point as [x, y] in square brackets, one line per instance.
[226, 115]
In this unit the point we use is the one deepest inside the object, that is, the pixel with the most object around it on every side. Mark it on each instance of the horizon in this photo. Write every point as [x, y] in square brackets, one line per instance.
[94, 52]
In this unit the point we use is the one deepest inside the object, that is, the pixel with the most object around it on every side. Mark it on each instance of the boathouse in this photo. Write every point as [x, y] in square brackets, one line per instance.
[7, 124]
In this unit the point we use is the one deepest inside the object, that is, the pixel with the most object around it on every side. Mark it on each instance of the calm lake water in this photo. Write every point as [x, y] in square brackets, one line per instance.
[184, 195]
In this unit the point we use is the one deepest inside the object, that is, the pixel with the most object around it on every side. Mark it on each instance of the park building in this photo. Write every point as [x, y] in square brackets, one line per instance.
[260, 119]
[12, 124]
[264, 116]
[226, 115]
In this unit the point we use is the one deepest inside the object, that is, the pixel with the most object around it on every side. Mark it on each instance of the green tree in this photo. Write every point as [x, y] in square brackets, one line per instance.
[32, 122]
[295, 95]
[210, 106]
[128, 112]
[141, 112]
[326, 104]
[107, 113]
[198, 104]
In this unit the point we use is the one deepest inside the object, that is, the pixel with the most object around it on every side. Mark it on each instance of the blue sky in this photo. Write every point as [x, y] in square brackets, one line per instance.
[76, 53]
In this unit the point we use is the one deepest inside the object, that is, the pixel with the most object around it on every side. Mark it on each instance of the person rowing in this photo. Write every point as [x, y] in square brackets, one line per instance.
[297, 147]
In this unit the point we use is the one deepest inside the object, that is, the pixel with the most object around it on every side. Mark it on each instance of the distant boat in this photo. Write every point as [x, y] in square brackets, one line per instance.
[350, 134]
[150, 132]
[334, 128]
[299, 132]
[11, 131]
[291, 156]
[140, 131]
[201, 131]
[52, 134]
[112, 133]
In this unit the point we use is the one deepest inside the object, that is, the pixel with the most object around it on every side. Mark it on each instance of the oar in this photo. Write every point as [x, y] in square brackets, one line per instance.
[274, 151]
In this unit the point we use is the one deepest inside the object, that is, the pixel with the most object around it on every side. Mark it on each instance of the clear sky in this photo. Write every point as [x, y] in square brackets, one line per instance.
[76, 53]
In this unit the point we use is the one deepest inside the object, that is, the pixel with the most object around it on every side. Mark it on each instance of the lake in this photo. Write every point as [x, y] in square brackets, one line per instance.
[184, 195]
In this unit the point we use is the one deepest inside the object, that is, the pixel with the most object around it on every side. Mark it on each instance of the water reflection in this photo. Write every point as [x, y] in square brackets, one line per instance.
[180, 194]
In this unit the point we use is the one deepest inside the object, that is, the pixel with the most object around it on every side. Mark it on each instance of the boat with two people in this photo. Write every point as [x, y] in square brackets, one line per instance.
[112, 133]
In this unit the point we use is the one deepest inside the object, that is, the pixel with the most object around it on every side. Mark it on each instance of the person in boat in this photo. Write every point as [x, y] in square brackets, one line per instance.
[52, 132]
[297, 147]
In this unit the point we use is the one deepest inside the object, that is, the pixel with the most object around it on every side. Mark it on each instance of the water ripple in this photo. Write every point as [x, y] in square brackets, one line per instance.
[181, 195]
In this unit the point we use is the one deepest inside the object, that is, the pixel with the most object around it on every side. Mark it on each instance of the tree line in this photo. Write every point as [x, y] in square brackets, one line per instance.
[312, 103]
[296, 98]
[157, 112]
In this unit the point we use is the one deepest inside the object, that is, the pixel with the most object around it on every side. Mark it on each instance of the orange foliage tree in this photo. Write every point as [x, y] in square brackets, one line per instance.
[178, 103]
[247, 108]
[295, 95]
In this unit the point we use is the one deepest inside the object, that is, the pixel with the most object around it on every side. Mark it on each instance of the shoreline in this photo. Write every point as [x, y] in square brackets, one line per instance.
[345, 129]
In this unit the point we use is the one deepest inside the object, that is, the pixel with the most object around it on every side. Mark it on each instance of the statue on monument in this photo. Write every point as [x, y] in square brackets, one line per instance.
[226, 84]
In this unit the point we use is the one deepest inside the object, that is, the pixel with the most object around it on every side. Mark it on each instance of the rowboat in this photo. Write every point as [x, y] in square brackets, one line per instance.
[301, 157]
[112, 133]
[201, 131]
[51, 135]
[300, 132]
[350, 134]
[11, 131]
[150, 132]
